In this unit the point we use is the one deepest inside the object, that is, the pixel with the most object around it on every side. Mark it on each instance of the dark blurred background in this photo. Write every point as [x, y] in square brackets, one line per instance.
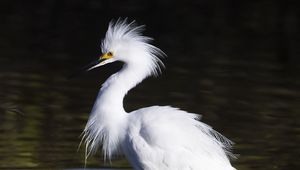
[235, 62]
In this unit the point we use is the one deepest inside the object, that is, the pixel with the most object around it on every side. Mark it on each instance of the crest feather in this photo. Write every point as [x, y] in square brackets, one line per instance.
[122, 30]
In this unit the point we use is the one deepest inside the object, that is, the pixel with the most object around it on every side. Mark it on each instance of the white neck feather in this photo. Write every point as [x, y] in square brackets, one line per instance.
[108, 118]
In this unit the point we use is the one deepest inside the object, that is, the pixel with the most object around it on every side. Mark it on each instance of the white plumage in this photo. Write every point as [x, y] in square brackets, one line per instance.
[152, 138]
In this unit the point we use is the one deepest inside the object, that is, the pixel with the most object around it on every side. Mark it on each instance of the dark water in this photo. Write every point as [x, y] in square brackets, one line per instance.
[43, 113]
[241, 73]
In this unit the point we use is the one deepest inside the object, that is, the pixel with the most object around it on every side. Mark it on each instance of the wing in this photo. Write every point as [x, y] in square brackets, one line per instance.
[168, 138]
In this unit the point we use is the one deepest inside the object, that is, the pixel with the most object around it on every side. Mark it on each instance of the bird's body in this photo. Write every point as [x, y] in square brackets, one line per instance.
[163, 137]
[152, 138]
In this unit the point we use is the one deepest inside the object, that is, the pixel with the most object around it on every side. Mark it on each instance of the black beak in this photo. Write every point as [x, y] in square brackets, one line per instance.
[88, 67]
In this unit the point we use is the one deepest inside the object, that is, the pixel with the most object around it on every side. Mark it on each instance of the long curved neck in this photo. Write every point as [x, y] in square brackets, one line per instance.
[116, 86]
[107, 121]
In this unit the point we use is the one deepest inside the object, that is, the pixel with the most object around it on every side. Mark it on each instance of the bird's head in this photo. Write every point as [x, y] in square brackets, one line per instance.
[124, 42]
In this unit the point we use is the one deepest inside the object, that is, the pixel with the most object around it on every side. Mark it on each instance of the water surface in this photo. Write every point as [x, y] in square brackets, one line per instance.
[241, 74]
[43, 113]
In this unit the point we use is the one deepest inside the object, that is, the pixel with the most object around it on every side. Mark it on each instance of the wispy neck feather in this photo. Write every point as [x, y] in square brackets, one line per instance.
[108, 118]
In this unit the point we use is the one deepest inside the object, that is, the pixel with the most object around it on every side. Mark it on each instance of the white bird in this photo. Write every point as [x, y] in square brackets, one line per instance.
[151, 138]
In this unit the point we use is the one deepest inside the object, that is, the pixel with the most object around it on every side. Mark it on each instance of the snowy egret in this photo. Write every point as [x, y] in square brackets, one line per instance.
[152, 138]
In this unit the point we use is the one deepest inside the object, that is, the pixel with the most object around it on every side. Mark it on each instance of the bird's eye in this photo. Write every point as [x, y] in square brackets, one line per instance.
[110, 54]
